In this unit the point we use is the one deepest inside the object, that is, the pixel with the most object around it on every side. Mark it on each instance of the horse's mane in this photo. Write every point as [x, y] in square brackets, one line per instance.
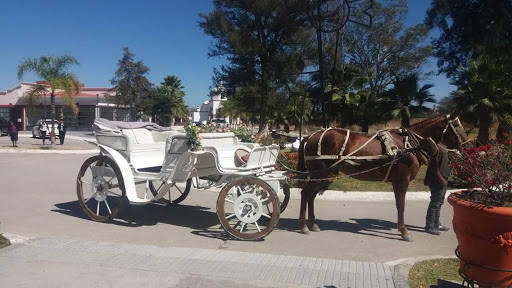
[427, 122]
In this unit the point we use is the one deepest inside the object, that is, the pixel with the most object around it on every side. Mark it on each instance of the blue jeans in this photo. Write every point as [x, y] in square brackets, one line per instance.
[434, 208]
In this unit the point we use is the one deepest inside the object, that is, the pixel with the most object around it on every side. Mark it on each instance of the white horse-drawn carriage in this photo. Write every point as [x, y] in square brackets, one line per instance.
[145, 163]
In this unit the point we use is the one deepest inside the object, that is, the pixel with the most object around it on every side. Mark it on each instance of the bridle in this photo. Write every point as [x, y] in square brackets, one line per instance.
[454, 129]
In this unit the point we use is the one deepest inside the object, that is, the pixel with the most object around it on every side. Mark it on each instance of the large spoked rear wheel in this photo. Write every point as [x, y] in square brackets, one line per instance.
[177, 193]
[100, 188]
[248, 208]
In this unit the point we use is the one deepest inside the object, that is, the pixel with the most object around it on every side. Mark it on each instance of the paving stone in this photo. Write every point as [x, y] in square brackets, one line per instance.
[203, 262]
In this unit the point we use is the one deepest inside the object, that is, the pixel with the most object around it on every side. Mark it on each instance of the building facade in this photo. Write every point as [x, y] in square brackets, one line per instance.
[210, 109]
[91, 102]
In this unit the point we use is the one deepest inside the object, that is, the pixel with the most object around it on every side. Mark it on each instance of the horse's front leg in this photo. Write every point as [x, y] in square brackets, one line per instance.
[400, 189]
[311, 209]
[303, 203]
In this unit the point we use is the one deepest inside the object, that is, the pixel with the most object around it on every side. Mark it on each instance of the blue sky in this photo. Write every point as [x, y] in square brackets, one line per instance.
[163, 34]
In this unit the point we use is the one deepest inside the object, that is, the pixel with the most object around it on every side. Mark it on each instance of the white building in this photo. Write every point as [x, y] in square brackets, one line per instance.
[209, 109]
[91, 104]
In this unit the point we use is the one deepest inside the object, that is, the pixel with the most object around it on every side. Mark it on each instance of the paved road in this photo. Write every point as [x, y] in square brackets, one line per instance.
[46, 207]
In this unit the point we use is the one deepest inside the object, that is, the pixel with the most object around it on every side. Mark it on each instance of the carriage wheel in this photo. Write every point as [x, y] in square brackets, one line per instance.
[177, 192]
[286, 191]
[248, 208]
[100, 188]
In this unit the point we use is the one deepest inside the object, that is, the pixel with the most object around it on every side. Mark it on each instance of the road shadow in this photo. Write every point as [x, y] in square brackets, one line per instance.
[204, 221]
[201, 219]
[364, 226]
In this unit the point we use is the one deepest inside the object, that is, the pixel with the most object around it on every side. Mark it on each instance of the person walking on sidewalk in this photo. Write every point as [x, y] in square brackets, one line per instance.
[62, 131]
[13, 132]
[43, 128]
[436, 179]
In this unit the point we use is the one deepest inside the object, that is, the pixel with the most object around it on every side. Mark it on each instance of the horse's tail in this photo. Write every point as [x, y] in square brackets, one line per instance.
[302, 161]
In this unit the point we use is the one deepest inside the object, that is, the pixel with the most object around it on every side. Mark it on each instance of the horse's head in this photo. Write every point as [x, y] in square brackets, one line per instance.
[445, 129]
[453, 135]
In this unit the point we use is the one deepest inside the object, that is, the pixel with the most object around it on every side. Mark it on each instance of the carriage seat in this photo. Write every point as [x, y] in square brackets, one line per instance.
[146, 148]
[226, 146]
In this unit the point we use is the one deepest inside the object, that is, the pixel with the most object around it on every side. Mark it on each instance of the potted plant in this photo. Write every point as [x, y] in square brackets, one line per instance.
[482, 219]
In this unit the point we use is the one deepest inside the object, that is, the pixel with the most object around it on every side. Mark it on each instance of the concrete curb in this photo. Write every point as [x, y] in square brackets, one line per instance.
[403, 266]
[17, 239]
[366, 196]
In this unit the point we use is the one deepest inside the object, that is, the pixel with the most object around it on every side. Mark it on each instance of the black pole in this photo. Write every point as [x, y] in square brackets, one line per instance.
[45, 106]
[302, 116]
[320, 63]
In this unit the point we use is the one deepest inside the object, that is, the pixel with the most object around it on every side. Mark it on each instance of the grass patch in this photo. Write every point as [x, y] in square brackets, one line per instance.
[351, 184]
[4, 242]
[425, 273]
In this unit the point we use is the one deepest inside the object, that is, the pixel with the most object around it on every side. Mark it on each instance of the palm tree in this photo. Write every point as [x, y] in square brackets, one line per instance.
[53, 71]
[485, 91]
[407, 90]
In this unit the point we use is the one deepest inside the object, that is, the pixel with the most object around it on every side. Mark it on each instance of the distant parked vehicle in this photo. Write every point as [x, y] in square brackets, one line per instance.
[219, 122]
[37, 134]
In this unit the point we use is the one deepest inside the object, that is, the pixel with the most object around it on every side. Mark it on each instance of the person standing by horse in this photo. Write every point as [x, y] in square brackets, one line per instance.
[436, 179]
[13, 132]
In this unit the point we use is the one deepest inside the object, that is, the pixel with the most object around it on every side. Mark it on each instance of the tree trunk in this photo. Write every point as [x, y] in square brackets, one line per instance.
[365, 126]
[172, 120]
[484, 127]
[405, 120]
[503, 132]
[52, 108]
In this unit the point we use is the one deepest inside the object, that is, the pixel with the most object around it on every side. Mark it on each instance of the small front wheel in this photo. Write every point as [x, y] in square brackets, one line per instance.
[177, 193]
[100, 188]
[248, 208]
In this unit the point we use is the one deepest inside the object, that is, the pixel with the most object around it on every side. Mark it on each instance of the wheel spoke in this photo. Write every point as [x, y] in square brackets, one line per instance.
[82, 181]
[98, 209]
[268, 209]
[88, 199]
[242, 228]
[179, 190]
[230, 216]
[230, 201]
[237, 223]
[263, 214]
[114, 193]
[114, 186]
[108, 207]
[257, 226]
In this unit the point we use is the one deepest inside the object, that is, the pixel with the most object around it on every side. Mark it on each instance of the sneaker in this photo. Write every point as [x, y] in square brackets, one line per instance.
[432, 231]
[443, 228]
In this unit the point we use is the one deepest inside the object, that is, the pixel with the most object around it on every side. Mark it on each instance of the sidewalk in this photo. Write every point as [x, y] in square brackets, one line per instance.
[77, 262]
[74, 144]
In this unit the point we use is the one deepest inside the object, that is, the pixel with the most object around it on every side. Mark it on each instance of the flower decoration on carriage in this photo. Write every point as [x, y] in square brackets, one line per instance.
[194, 133]
[194, 139]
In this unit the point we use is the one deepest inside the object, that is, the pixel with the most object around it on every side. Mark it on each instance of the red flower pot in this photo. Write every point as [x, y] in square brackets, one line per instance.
[485, 239]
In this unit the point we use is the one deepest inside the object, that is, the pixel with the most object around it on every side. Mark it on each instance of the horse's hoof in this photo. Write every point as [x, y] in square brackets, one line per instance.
[304, 231]
[315, 228]
[407, 237]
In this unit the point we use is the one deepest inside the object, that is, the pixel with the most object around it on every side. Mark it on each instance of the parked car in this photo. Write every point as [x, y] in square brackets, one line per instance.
[37, 134]
[4, 125]
[219, 122]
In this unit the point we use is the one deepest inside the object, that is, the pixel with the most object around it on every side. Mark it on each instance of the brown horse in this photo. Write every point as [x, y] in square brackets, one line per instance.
[445, 129]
